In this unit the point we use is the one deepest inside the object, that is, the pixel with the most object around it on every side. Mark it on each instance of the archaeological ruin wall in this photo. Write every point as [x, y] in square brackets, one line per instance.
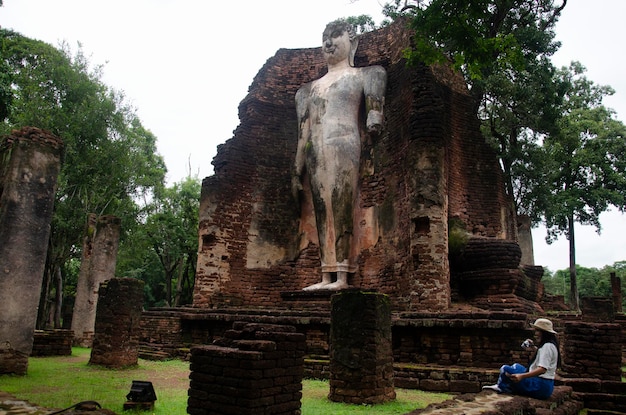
[430, 164]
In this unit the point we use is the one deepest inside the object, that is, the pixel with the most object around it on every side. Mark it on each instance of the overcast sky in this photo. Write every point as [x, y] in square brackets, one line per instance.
[186, 64]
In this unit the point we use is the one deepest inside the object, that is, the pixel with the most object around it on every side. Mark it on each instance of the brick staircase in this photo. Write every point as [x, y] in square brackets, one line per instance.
[599, 397]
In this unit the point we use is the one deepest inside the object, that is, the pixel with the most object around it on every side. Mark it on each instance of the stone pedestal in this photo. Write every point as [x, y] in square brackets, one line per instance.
[116, 340]
[361, 358]
[57, 342]
[30, 161]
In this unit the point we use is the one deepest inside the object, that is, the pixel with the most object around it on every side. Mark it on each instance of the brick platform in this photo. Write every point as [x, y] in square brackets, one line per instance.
[52, 343]
[562, 402]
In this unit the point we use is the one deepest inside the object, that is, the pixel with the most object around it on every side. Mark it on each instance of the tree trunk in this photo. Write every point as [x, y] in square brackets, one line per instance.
[573, 293]
[169, 272]
[58, 297]
[179, 285]
[43, 310]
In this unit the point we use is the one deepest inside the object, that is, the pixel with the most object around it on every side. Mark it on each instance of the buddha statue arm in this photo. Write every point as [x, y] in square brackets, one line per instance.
[375, 85]
[303, 133]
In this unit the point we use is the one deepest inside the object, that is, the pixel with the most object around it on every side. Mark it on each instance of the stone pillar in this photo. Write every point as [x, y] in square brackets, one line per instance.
[255, 369]
[616, 289]
[116, 341]
[525, 240]
[99, 257]
[30, 161]
[361, 357]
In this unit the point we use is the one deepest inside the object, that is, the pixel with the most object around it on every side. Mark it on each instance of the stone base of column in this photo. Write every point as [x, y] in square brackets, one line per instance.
[13, 362]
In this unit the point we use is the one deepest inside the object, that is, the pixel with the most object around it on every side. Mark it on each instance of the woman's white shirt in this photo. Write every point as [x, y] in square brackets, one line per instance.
[547, 357]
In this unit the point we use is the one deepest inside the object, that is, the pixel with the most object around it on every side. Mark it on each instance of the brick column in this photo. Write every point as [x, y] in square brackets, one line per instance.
[361, 357]
[256, 369]
[616, 288]
[116, 340]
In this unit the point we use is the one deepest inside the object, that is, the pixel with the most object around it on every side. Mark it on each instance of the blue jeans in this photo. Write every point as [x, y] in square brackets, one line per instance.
[535, 387]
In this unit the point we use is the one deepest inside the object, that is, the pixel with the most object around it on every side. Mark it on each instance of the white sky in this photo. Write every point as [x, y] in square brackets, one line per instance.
[186, 64]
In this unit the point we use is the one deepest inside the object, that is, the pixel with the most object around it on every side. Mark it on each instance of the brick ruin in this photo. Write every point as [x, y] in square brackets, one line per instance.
[462, 286]
[30, 161]
[430, 167]
[53, 342]
[361, 359]
[116, 340]
[253, 369]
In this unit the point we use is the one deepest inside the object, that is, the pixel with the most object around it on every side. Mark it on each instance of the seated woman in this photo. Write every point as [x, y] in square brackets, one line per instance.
[538, 381]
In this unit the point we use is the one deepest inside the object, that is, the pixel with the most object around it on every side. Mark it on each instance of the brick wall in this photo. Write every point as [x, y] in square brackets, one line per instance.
[464, 339]
[592, 350]
[429, 164]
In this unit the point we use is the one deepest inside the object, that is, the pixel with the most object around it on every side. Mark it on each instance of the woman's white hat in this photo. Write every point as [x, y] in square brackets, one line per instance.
[543, 324]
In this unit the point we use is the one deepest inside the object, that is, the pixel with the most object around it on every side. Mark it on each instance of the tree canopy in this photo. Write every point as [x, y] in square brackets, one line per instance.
[162, 250]
[482, 37]
[110, 160]
[593, 282]
[582, 164]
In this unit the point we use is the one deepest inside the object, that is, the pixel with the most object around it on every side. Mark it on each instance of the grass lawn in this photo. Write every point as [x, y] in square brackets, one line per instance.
[58, 382]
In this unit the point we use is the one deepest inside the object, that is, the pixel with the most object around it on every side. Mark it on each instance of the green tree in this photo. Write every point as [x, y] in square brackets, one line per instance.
[503, 49]
[480, 37]
[584, 169]
[363, 23]
[593, 282]
[168, 241]
[110, 159]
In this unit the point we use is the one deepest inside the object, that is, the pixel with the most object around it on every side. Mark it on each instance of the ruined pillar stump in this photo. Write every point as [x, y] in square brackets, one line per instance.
[98, 261]
[255, 369]
[616, 290]
[30, 161]
[361, 358]
[592, 350]
[116, 340]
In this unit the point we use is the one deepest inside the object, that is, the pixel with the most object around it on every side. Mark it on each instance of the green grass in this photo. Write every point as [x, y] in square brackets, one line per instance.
[315, 401]
[59, 382]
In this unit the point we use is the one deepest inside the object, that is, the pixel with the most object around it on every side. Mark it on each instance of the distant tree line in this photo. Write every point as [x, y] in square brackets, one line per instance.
[592, 282]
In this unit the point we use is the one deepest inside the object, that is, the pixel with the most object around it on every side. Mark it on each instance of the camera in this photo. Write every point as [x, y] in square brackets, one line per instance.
[527, 344]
